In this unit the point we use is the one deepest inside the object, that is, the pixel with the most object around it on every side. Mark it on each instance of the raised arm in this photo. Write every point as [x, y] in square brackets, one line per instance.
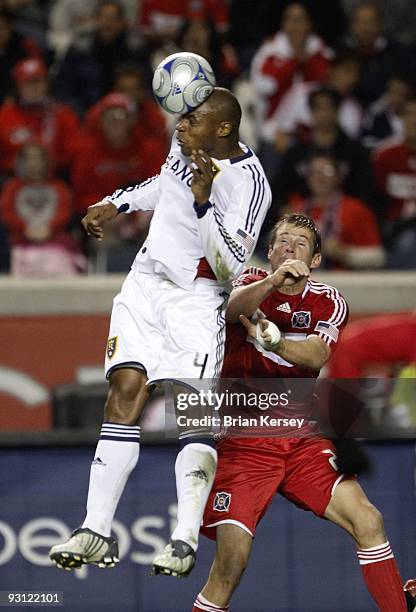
[228, 240]
[138, 197]
[244, 300]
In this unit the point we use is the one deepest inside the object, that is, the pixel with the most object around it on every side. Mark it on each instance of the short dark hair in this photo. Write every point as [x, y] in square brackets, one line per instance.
[299, 220]
[345, 55]
[330, 93]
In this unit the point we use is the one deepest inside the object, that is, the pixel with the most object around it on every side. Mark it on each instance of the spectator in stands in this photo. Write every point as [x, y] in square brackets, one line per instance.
[14, 47]
[382, 56]
[384, 118]
[68, 18]
[294, 54]
[36, 209]
[162, 20]
[31, 18]
[34, 114]
[348, 227]
[399, 18]
[325, 136]
[251, 22]
[293, 113]
[87, 70]
[395, 169]
[129, 80]
[198, 35]
[114, 152]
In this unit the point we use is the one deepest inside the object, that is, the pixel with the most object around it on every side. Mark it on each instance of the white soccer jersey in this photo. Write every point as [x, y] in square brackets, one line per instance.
[224, 233]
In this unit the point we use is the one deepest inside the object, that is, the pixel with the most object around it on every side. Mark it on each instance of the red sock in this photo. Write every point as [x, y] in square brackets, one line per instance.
[382, 577]
[202, 603]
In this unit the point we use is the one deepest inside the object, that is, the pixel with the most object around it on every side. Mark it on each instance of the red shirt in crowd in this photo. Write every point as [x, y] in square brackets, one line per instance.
[99, 169]
[24, 204]
[395, 169]
[152, 121]
[54, 125]
[168, 15]
[346, 218]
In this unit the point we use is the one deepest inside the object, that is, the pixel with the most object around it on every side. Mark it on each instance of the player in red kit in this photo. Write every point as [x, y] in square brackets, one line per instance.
[301, 325]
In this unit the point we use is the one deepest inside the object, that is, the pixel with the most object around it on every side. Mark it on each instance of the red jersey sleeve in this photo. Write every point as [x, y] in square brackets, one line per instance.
[251, 275]
[330, 316]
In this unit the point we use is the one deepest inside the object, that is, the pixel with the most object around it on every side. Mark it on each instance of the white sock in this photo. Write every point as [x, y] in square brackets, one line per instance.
[115, 457]
[195, 471]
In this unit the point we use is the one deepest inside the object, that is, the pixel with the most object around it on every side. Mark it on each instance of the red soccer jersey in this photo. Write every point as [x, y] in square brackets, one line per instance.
[319, 310]
[395, 169]
[56, 126]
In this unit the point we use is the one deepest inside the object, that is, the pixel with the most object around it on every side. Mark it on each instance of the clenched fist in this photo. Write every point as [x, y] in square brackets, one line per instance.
[98, 214]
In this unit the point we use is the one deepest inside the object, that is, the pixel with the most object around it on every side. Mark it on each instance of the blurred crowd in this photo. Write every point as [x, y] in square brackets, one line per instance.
[328, 92]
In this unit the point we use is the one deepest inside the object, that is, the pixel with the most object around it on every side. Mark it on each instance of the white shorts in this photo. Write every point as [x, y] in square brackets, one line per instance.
[167, 331]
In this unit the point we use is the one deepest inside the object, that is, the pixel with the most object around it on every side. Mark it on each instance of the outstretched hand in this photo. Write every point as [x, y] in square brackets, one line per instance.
[96, 215]
[202, 176]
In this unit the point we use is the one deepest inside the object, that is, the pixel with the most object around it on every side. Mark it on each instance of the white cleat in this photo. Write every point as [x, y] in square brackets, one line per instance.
[83, 547]
[176, 559]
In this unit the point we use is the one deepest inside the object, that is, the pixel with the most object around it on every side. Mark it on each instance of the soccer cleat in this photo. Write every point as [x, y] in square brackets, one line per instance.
[410, 593]
[177, 559]
[85, 546]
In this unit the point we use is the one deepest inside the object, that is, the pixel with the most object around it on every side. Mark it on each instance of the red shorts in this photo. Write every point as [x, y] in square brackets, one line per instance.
[251, 470]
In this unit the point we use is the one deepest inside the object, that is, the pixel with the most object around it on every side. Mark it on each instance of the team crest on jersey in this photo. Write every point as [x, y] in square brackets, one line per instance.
[302, 318]
[215, 168]
[111, 346]
[222, 501]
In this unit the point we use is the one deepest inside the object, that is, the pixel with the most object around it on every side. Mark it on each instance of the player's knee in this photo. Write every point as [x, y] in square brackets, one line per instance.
[126, 388]
[368, 523]
[231, 566]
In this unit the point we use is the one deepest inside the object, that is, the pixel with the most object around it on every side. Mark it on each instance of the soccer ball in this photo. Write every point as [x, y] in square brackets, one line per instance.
[182, 81]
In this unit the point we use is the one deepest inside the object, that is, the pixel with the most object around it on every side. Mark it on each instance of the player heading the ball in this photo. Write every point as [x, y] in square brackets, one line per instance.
[182, 82]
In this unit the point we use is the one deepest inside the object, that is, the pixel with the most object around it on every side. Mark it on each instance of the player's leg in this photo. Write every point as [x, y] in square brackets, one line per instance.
[350, 509]
[116, 455]
[192, 352]
[118, 448]
[195, 469]
[249, 472]
[313, 482]
[117, 451]
[231, 558]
